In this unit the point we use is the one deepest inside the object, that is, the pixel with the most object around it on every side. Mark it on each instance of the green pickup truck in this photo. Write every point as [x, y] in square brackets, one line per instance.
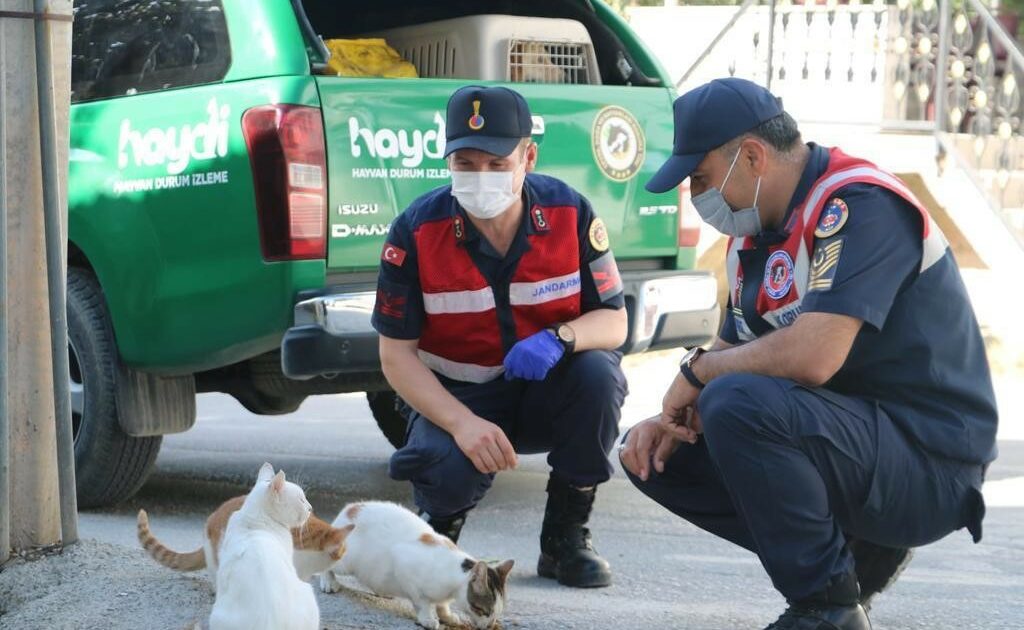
[229, 194]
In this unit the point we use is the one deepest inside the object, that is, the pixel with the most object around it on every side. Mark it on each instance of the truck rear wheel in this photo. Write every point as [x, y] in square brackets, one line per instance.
[392, 423]
[110, 465]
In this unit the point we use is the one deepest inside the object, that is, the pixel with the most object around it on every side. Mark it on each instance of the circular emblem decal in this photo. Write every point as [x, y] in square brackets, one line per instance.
[832, 218]
[598, 235]
[618, 143]
[778, 275]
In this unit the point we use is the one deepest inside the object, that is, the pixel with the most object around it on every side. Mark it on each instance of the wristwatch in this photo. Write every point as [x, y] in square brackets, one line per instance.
[686, 366]
[565, 336]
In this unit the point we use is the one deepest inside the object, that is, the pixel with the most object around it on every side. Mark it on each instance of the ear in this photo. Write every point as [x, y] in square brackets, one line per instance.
[504, 569]
[266, 472]
[277, 485]
[479, 580]
[755, 153]
[531, 157]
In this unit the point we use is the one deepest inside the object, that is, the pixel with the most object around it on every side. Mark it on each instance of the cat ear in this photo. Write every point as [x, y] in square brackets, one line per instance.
[266, 472]
[504, 569]
[348, 530]
[277, 485]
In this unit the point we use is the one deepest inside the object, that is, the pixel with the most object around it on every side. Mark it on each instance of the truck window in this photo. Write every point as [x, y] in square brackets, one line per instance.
[539, 41]
[124, 47]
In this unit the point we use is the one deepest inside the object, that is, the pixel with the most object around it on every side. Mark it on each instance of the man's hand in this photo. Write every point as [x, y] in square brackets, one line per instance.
[680, 397]
[648, 442]
[485, 444]
[533, 357]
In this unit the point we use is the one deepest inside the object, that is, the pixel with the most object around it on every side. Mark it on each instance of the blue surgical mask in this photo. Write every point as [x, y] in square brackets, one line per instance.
[716, 211]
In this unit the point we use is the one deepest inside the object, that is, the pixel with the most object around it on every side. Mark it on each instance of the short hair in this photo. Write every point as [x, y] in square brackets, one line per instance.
[780, 133]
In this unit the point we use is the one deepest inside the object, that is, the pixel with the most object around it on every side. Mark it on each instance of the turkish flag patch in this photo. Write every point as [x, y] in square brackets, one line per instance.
[393, 254]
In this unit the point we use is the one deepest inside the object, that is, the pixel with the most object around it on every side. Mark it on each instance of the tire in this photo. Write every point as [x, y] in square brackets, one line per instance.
[391, 421]
[110, 465]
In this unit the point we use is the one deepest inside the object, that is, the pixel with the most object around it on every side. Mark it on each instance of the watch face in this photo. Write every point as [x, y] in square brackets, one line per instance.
[566, 333]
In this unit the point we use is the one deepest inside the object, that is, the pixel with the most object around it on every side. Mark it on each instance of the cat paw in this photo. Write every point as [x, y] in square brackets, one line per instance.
[329, 583]
[450, 618]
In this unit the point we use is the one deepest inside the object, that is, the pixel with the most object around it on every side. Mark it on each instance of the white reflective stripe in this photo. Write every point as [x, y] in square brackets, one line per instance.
[935, 243]
[459, 301]
[525, 293]
[802, 270]
[832, 180]
[934, 246]
[732, 265]
[469, 372]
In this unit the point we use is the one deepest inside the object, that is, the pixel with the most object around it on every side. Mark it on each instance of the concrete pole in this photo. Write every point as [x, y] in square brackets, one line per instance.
[35, 501]
[53, 66]
[5, 479]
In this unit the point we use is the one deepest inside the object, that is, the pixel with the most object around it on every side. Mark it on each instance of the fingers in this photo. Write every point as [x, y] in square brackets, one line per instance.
[484, 461]
[645, 441]
[679, 426]
[664, 450]
[509, 453]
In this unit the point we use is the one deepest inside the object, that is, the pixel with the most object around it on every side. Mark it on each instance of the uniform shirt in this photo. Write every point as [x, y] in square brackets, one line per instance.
[920, 353]
[399, 285]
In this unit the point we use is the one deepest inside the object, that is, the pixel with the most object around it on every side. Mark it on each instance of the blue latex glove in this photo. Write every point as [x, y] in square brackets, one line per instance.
[533, 357]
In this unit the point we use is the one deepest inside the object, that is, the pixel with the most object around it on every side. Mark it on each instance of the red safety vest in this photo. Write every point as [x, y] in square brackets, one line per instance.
[461, 338]
[784, 282]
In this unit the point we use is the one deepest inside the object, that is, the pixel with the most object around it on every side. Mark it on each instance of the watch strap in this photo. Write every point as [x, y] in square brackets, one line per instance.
[686, 367]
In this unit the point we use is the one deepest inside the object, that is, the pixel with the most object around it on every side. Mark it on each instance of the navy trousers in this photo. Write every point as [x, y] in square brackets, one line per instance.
[788, 472]
[573, 415]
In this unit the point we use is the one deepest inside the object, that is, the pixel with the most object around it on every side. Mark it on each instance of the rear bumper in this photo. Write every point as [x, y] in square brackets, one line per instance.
[668, 309]
[332, 333]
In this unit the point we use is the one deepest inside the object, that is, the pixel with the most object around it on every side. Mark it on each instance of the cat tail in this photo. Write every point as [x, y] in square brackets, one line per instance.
[191, 561]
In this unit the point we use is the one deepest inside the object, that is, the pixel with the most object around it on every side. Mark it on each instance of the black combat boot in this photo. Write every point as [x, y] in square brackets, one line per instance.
[450, 526]
[877, 567]
[835, 608]
[566, 553]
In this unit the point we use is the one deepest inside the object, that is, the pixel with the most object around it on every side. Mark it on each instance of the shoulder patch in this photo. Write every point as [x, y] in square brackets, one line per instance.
[393, 254]
[598, 235]
[823, 265]
[833, 218]
[540, 222]
[606, 277]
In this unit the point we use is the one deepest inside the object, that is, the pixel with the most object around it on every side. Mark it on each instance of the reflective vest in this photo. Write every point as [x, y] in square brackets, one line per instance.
[461, 337]
[785, 279]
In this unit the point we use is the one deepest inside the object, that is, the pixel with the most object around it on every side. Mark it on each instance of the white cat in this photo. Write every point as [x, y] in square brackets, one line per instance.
[257, 587]
[396, 554]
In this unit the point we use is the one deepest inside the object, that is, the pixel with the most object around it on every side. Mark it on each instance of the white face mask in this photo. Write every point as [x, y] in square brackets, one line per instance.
[716, 211]
[485, 194]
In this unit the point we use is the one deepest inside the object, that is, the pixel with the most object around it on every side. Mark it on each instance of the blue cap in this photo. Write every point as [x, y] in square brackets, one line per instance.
[708, 117]
[491, 119]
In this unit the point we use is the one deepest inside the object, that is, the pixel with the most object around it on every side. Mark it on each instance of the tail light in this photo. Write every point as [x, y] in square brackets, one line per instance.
[689, 220]
[289, 171]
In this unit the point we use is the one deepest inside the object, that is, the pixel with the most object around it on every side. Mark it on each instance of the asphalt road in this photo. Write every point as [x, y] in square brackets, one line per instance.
[668, 574]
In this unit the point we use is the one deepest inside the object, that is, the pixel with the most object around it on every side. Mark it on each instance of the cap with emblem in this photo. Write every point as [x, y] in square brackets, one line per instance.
[708, 117]
[491, 119]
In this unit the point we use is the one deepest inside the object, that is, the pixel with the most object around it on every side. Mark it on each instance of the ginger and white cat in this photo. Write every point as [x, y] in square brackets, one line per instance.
[395, 553]
[257, 586]
[317, 544]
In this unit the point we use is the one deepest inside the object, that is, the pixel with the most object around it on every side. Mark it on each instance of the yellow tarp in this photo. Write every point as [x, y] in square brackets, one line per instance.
[367, 58]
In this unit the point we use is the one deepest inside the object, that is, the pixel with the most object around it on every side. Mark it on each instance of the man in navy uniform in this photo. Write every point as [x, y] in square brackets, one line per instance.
[846, 412]
[499, 308]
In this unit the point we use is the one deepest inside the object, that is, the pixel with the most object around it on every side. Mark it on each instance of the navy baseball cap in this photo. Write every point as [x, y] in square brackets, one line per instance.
[708, 117]
[491, 119]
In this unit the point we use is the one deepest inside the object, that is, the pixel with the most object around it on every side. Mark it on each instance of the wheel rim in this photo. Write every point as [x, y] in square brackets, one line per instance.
[77, 391]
